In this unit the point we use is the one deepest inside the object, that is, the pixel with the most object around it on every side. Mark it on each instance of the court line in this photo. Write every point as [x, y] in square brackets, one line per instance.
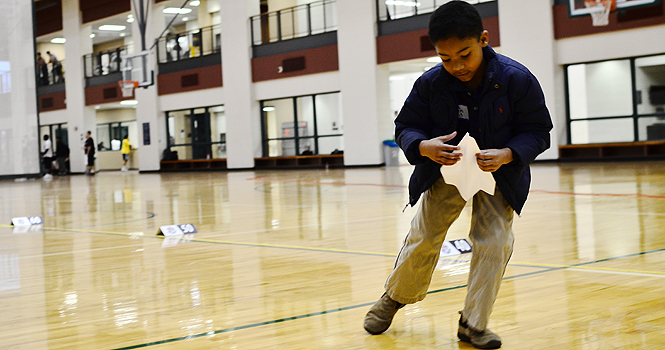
[578, 266]
[405, 186]
[330, 311]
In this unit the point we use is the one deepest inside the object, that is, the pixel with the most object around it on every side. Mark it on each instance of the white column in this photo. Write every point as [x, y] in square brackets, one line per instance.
[365, 94]
[535, 48]
[80, 118]
[150, 121]
[242, 110]
[19, 144]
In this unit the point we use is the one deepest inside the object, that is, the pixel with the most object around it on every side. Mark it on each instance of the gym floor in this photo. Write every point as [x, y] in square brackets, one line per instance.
[294, 259]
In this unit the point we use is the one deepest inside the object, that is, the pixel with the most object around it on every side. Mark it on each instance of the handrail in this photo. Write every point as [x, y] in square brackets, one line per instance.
[192, 43]
[388, 10]
[294, 22]
[103, 62]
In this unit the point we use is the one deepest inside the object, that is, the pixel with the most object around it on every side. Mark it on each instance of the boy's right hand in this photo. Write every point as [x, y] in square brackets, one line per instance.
[437, 150]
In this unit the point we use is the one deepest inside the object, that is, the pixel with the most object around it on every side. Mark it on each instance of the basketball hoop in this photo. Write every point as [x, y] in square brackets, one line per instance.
[128, 87]
[601, 16]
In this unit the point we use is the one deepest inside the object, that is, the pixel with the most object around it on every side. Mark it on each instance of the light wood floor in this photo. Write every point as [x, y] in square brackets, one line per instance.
[294, 259]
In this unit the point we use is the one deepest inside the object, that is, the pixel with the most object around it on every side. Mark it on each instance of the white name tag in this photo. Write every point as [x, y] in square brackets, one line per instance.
[27, 221]
[462, 112]
[456, 247]
[176, 230]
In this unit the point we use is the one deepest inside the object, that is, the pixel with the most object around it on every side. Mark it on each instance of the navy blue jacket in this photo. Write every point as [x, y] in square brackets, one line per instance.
[512, 113]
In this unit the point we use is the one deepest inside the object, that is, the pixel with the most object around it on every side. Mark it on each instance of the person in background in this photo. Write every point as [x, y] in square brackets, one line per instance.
[43, 70]
[47, 157]
[57, 67]
[61, 156]
[125, 149]
[89, 148]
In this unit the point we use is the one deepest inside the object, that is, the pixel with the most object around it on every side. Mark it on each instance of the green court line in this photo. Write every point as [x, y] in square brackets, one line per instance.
[298, 317]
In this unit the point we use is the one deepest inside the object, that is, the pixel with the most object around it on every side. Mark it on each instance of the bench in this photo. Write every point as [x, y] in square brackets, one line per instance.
[620, 150]
[314, 161]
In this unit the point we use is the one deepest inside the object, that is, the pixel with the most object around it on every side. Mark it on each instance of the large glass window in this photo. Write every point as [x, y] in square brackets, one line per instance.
[617, 100]
[197, 133]
[110, 135]
[302, 125]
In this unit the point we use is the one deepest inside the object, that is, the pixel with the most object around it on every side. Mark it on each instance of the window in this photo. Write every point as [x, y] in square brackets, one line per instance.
[197, 133]
[110, 135]
[616, 101]
[302, 125]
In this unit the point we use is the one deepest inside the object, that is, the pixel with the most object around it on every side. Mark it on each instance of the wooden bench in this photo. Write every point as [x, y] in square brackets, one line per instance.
[315, 161]
[620, 150]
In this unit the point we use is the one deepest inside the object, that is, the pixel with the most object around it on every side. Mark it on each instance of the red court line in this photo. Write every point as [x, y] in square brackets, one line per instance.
[633, 195]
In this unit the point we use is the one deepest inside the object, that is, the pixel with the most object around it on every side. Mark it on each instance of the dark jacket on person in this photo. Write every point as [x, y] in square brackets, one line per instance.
[511, 113]
[62, 150]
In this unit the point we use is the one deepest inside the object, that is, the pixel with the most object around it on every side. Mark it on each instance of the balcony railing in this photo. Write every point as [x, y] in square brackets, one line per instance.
[50, 73]
[103, 62]
[388, 10]
[194, 43]
[294, 22]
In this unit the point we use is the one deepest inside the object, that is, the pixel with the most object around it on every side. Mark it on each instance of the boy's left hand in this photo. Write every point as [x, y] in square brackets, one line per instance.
[491, 160]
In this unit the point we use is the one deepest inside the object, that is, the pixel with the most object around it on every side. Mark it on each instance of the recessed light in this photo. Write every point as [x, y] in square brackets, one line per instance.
[92, 35]
[268, 108]
[98, 107]
[112, 27]
[122, 34]
[185, 19]
[195, 3]
[130, 19]
[129, 102]
[58, 40]
[177, 11]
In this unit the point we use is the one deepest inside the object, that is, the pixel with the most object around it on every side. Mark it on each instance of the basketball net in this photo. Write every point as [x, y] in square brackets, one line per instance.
[128, 87]
[600, 17]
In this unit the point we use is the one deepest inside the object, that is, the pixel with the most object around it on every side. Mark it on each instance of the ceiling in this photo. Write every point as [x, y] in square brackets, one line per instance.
[102, 36]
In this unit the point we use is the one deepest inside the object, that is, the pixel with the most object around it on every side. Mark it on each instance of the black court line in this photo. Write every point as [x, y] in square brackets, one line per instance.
[292, 318]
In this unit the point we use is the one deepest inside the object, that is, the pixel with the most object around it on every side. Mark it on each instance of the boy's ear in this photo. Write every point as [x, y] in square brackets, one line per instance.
[484, 38]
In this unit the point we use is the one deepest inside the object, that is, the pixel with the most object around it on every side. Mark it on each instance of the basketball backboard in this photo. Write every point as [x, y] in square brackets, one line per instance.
[138, 67]
[578, 7]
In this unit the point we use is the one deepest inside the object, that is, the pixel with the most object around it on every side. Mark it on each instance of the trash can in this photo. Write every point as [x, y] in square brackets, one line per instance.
[391, 153]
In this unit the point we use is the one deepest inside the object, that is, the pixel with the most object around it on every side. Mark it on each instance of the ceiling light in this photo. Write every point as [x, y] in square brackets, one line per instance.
[434, 60]
[92, 35]
[130, 19]
[268, 108]
[195, 3]
[185, 19]
[177, 11]
[112, 27]
[122, 34]
[129, 102]
[58, 40]
[403, 3]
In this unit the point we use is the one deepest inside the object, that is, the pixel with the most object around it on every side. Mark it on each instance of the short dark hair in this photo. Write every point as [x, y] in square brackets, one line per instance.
[45, 137]
[457, 19]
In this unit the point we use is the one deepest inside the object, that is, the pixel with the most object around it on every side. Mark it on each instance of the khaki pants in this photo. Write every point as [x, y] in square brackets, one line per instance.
[492, 238]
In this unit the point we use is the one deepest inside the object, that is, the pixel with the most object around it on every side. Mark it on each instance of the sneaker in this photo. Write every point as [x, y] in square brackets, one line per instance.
[123, 169]
[480, 340]
[48, 177]
[381, 314]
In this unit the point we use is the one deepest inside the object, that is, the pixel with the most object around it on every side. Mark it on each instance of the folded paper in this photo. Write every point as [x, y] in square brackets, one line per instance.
[465, 174]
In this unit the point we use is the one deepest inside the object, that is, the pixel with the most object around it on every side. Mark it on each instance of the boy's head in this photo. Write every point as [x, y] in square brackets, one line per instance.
[456, 31]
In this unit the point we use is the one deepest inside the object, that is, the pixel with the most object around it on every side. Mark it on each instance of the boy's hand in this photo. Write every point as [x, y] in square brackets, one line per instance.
[491, 160]
[437, 150]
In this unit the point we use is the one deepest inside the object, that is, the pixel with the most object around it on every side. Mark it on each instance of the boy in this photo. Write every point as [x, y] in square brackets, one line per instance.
[501, 105]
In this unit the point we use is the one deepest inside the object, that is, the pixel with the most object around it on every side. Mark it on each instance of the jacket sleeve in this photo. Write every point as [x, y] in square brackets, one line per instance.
[531, 123]
[413, 122]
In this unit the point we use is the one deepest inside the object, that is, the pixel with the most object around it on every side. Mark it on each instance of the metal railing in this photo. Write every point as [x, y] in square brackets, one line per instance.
[103, 62]
[193, 43]
[294, 22]
[388, 10]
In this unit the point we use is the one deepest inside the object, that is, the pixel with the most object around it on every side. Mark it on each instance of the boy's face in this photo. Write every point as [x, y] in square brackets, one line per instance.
[463, 58]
